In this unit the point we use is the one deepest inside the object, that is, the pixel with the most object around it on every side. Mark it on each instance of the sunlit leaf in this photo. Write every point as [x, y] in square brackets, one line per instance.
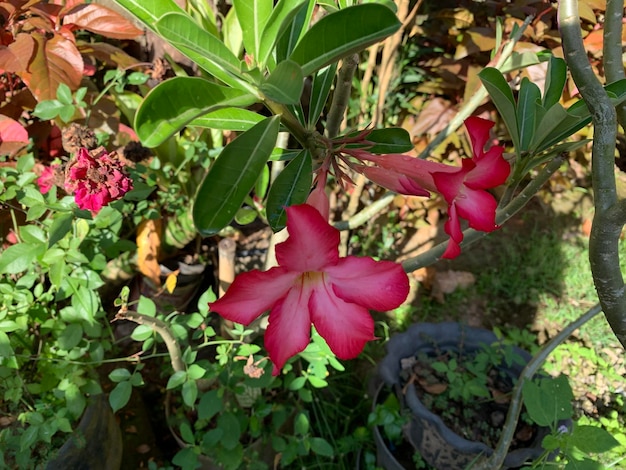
[177, 101]
[252, 16]
[228, 119]
[232, 176]
[280, 19]
[343, 33]
[294, 31]
[555, 81]
[101, 20]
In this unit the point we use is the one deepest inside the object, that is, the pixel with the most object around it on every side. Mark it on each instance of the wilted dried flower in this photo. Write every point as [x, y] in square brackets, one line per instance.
[96, 180]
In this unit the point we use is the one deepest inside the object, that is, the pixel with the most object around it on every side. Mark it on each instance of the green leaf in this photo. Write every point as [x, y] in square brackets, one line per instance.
[18, 258]
[149, 12]
[555, 81]
[548, 400]
[195, 372]
[75, 400]
[176, 379]
[285, 83]
[64, 94]
[200, 46]
[245, 215]
[71, 336]
[86, 303]
[61, 225]
[279, 21]
[294, 31]
[32, 234]
[232, 176]
[389, 140]
[321, 447]
[175, 102]
[502, 97]
[228, 119]
[292, 186]
[529, 96]
[253, 16]
[146, 306]
[584, 464]
[592, 439]
[119, 396]
[118, 375]
[186, 433]
[209, 405]
[320, 89]
[229, 423]
[190, 393]
[141, 333]
[301, 424]
[7, 356]
[343, 33]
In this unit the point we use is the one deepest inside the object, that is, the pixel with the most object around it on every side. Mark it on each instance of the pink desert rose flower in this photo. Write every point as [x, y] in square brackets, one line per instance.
[314, 286]
[464, 188]
[96, 181]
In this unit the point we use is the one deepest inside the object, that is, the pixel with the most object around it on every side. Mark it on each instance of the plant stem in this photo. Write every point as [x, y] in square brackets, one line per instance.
[162, 329]
[508, 431]
[341, 96]
[612, 49]
[366, 214]
[502, 215]
[608, 219]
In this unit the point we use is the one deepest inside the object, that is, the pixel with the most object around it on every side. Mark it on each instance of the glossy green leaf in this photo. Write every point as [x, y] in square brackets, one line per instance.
[285, 83]
[228, 119]
[253, 16]
[232, 176]
[262, 183]
[175, 102]
[520, 60]
[502, 97]
[529, 96]
[389, 140]
[343, 33]
[320, 89]
[280, 19]
[190, 392]
[555, 81]
[292, 186]
[149, 12]
[183, 32]
[294, 31]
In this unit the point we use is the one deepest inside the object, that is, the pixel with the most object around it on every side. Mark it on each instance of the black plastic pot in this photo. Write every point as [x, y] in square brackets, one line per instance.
[438, 445]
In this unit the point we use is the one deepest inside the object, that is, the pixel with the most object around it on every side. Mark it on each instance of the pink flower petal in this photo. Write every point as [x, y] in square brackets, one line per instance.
[392, 180]
[478, 208]
[478, 130]
[289, 329]
[252, 293]
[346, 327]
[449, 185]
[490, 171]
[312, 244]
[453, 228]
[375, 285]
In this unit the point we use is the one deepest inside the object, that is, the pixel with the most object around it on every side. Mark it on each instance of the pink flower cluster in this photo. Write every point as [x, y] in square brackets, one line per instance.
[464, 188]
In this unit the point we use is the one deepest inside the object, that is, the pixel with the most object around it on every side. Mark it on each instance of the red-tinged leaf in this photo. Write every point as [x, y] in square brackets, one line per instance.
[16, 56]
[12, 131]
[102, 20]
[13, 136]
[107, 53]
[58, 62]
